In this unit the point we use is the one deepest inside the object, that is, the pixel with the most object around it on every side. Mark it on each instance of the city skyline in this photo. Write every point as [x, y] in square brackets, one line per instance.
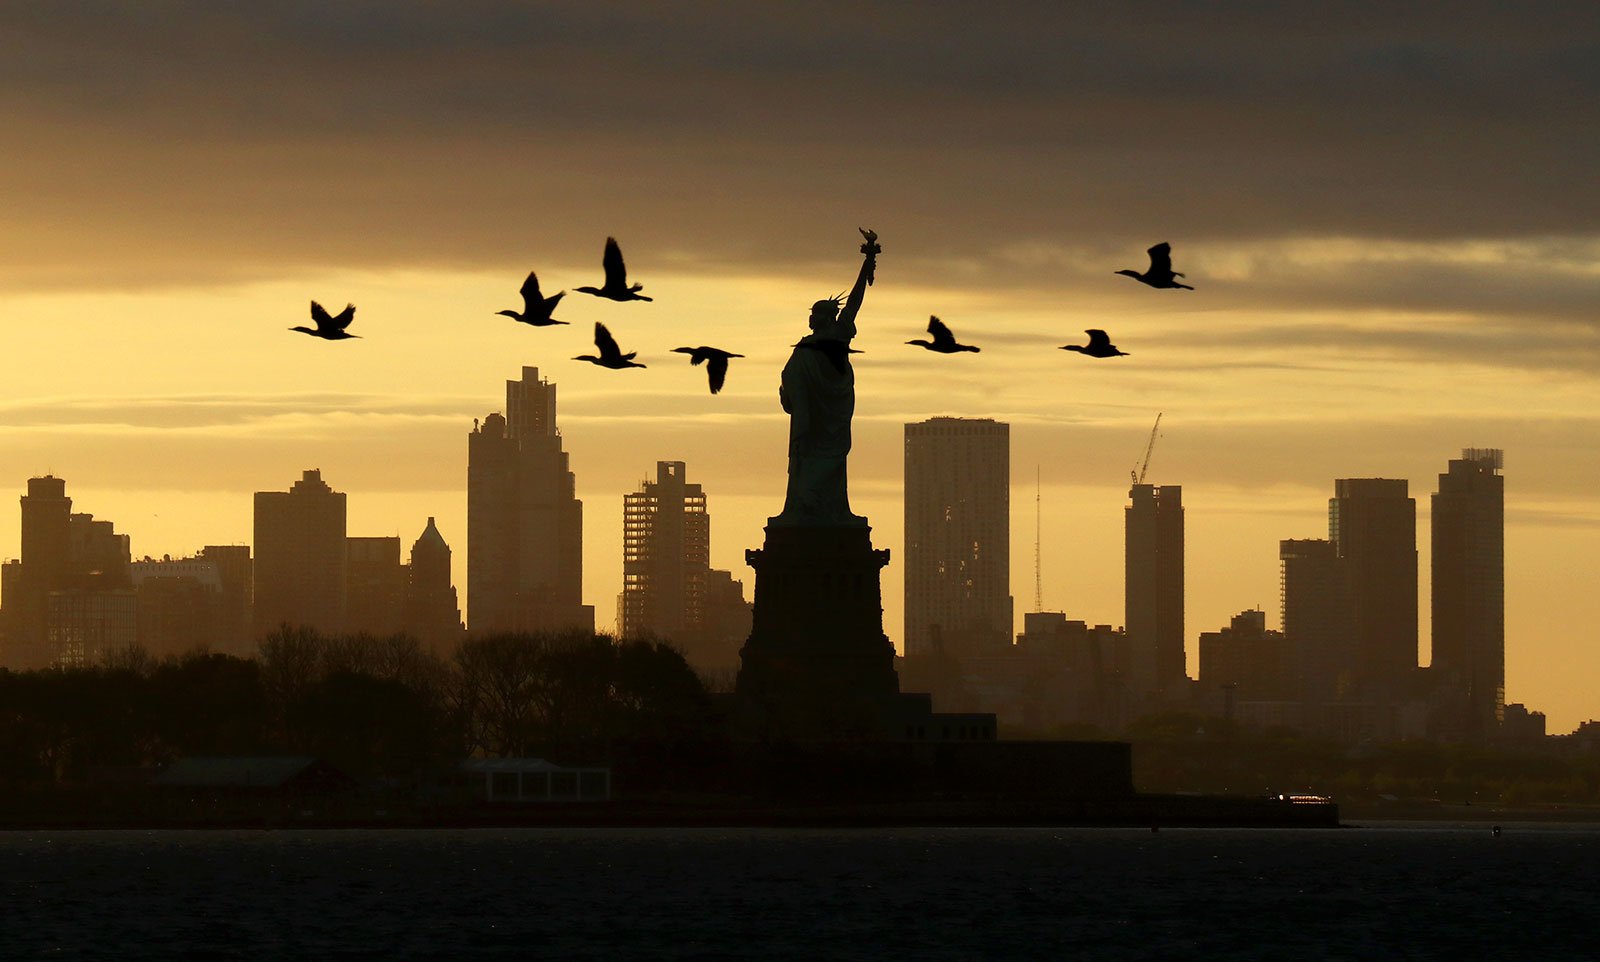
[1351, 527]
[1383, 214]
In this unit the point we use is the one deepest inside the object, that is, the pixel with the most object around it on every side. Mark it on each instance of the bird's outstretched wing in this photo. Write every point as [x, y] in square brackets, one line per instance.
[1098, 338]
[532, 297]
[320, 315]
[605, 342]
[343, 318]
[837, 352]
[616, 271]
[717, 368]
[941, 334]
[1161, 259]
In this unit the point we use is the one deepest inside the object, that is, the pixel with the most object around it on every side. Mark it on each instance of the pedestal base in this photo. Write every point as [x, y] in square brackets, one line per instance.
[817, 664]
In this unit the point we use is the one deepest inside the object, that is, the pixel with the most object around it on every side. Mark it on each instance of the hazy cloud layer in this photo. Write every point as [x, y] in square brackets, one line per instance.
[394, 443]
[181, 142]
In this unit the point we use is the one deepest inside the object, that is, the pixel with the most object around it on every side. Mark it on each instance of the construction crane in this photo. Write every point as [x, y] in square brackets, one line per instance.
[1137, 476]
[1038, 579]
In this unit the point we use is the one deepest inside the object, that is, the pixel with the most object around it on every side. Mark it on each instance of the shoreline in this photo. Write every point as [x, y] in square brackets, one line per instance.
[1144, 811]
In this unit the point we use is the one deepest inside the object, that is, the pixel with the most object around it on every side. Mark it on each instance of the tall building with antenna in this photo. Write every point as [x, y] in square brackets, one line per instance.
[524, 520]
[958, 536]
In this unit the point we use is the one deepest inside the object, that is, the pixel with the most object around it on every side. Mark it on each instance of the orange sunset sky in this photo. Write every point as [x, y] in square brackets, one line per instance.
[1391, 218]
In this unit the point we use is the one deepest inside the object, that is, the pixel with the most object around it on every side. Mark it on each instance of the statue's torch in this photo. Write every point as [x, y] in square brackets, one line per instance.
[871, 249]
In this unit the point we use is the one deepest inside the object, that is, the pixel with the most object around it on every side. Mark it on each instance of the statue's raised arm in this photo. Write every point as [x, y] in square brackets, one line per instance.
[819, 394]
[845, 326]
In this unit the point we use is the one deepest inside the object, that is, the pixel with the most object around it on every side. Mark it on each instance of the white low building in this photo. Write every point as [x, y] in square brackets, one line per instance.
[534, 780]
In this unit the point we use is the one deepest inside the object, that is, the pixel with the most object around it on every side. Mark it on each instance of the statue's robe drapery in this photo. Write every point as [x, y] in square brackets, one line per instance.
[820, 399]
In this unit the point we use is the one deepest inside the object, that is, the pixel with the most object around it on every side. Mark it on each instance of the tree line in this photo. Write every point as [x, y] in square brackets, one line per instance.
[372, 706]
[1186, 752]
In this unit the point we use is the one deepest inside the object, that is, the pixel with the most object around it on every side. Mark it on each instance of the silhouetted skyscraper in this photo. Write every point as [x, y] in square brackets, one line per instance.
[98, 556]
[1469, 593]
[728, 618]
[1246, 657]
[69, 599]
[44, 565]
[46, 530]
[236, 569]
[958, 536]
[666, 556]
[1316, 621]
[83, 625]
[1153, 584]
[669, 590]
[179, 605]
[375, 585]
[1372, 523]
[524, 520]
[432, 612]
[300, 572]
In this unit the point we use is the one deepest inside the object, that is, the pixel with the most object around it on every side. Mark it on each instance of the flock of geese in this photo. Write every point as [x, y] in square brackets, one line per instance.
[539, 311]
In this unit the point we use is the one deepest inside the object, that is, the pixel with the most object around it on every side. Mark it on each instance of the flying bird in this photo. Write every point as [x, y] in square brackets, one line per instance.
[616, 286]
[610, 355]
[716, 362]
[943, 341]
[837, 352]
[1099, 346]
[329, 328]
[1160, 273]
[536, 308]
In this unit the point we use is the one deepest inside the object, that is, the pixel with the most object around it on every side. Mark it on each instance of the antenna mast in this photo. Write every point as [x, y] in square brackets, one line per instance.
[1038, 583]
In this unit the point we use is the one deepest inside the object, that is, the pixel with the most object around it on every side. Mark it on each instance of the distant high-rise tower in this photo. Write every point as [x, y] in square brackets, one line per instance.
[1469, 592]
[1372, 523]
[69, 599]
[958, 536]
[45, 563]
[1245, 658]
[432, 612]
[236, 628]
[1153, 581]
[524, 520]
[47, 531]
[299, 566]
[1316, 622]
[666, 556]
[179, 606]
[375, 584]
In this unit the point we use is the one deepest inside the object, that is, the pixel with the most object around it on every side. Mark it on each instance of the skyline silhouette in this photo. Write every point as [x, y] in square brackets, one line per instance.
[1182, 645]
[1354, 316]
[1330, 252]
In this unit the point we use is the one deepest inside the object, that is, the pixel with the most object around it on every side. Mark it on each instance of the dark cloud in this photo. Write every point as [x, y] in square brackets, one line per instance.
[185, 142]
[1544, 280]
[1555, 350]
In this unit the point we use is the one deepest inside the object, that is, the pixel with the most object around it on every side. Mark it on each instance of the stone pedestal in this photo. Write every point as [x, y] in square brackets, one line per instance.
[817, 665]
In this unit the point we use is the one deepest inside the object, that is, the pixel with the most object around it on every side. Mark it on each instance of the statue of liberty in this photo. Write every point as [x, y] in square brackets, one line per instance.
[818, 393]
